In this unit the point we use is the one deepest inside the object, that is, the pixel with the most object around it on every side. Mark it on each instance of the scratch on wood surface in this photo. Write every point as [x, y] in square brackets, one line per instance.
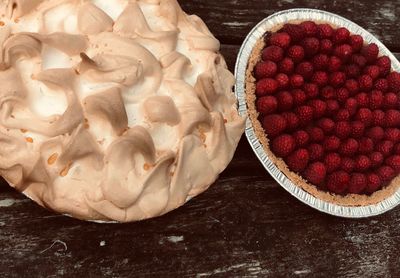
[53, 244]
[10, 202]
[236, 24]
[253, 268]
[387, 11]
[301, 272]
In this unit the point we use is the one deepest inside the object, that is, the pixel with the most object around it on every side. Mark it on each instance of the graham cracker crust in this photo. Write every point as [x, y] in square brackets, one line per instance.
[348, 200]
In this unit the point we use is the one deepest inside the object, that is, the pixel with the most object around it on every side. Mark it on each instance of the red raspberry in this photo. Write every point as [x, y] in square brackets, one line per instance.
[338, 182]
[311, 46]
[362, 163]
[301, 137]
[376, 99]
[316, 151]
[320, 78]
[283, 145]
[331, 143]
[328, 92]
[351, 105]
[319, 107]
[299, 97]
[274, 124]
[310, 28]
[356, 42]
[266, 86]
[325, 31]
[352, 85]
[341, 35]
[392, 134]
[390, 100]
[305, 69]
[362, 100]
[332, 162]
[283, 80]
[376, 159]
[370, 52]
[267, 105]
[316, 134]
[342, 94]
[357, 129]
[342, 115]
[265, 69]
[315, 173]
[381, 85]
[372, 71]
[337, 79]
[365, 82]
[352, 71]
[385, 147]
[376, 133]
[374, 183]
[326, 46]
[357, 184]
[320, 61]
[285, 100]
[332, 106]
[273, 53]
[366, 146]
[311, 90]
[298, 160]
[385, 64]
[296, 53]
[378, 117]
[394, 82]
[280, 39]
[386, 173]
[347, 164]
[392, 118]
[296, 81]
[349, 147]
[291, 119]
[334, 64]
[327, 125]
[343, 52]
[295, 31]
[394, 162]
[364, 115]
[286, 66]
[359, 60]
[305, 114]
[397, 148]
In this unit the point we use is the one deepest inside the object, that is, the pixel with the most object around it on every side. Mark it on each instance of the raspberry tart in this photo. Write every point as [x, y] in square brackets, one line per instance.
[323, 103]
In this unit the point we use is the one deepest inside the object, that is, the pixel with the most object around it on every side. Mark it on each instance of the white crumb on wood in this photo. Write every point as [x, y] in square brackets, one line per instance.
[300, 272]
[102, 243]
[175, 239]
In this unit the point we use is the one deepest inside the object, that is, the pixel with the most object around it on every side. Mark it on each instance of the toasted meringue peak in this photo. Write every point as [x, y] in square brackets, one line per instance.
[112, 110]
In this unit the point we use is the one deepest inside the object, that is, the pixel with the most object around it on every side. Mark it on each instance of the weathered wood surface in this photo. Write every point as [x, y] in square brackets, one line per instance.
[244, 225]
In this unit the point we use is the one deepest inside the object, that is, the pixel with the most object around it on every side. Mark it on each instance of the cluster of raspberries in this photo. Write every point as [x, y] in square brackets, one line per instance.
[329, 106]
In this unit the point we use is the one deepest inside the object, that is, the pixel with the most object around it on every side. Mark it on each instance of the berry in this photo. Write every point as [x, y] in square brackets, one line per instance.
[362, 99]
[381, 85]
[280, 39]
[265, 69]
[362, 163]
[376, 133]
[286, 65]
[315, 173]
[378, 117]
[357, 129]
[370, 52]
[342, 115]
[291, 119]
[311, 46]
[267, 105]
[386, 173]
[305, 69]
[343, 52]
[331, 143]
[352, 85]
[349, 147]
[390, 100]
[299, 97]
[384, 63]
[305, 114]
[357, 184]
[296, 53]
[311, 90]
[326, 46]
[338, 182]
[337, 79]
[310, 28]
[320, 61]
[342, 129]
[394, 162]
[319, 107]
[327, 125]
[351, 105]
[298, 160]
[295, 31]
[283, 145]
[376, 99]
[332, 162]
[316, 134]
[274, 124]
[385, 147]
[347, 164]
[283, 80]
[332, 106]
[392, 134]
[266, 86]
[341, 35]
[296, 81]
[366, 146]
[334, 64]
[320, 78]
[394, 81]
[374, 183]
[376, 159]
[301, 138]
[352, 71]
[359, 60]
[273, 53]
[392, 118]
[372, 71]
[285, 100]
[365, 81]
[328, 92]
[364, 115]
[316, 151]
[356, 42]
[396, 149]
[325, 31]
[342, 94]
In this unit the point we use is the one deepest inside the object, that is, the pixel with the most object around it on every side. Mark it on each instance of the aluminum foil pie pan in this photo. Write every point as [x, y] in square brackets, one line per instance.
[240, 72]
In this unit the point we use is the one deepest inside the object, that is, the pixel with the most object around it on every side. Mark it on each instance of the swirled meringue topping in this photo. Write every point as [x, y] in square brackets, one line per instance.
[112, 109]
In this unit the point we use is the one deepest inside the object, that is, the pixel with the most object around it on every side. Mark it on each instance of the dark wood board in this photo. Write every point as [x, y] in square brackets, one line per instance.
[244, 225]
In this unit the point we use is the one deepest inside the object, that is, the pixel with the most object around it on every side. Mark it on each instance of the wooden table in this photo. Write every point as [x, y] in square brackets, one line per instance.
[244, 225]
